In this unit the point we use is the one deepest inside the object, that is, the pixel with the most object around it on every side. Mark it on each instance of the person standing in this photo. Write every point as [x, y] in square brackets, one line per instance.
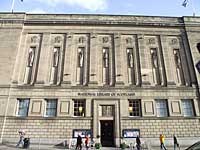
[138, 143]
[176, 144]
[79, 143]
[21, 138]
[162, 142]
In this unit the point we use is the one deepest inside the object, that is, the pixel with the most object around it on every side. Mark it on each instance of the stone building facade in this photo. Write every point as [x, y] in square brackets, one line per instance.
[108, 75]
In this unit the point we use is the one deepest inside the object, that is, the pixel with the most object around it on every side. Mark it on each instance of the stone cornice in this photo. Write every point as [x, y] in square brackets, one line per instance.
[95, 19]
[103, 20]
[88, 19]
[12, 19]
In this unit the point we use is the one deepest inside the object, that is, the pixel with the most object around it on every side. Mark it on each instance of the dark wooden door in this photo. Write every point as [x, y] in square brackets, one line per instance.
[107, 133]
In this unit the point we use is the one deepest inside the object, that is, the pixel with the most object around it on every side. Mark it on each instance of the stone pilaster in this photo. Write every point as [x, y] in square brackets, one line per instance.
[139, 49]
[162, 68]
[86, 61]
[119, 64]
[112, 75]
[93, 69]
[188, 71]
[67, 69]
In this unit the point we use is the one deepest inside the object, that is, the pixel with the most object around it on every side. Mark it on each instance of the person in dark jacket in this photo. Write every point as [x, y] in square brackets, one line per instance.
[138, 143]
[79, 143]
[176, 144]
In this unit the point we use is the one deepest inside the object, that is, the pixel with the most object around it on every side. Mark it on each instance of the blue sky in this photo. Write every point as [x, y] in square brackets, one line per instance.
[123, 7]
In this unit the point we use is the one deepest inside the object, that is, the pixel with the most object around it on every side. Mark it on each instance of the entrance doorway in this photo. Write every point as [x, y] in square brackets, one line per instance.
[107, 133]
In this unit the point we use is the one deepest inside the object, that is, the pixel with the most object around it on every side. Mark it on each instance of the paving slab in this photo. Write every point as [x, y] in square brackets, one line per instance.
[51, 147]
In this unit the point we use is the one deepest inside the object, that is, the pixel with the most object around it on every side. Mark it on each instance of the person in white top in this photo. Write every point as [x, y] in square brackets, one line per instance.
[21, 138]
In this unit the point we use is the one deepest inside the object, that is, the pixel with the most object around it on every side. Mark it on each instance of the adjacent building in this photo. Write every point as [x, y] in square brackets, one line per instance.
[111, 76]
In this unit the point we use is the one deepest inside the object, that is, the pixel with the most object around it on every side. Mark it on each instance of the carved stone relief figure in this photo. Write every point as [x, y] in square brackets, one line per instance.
[81, 40]
[55, 57]
[177, 59]
[80, 65]
[57, 39]
[131, 71]
[155, 66]
[80, 57]
[106, 66]
[152, 41]
[105, 58]
[29, 66]
[105, 39]
[154, 58]
[130, 58]
[178, 65]
[34, 39]
[55, 61]
[128, 40]
[174, 41]
[31, 55]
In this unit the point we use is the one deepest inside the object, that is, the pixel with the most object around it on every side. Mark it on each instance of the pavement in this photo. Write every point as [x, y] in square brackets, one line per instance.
[51, 147]
[46, 147]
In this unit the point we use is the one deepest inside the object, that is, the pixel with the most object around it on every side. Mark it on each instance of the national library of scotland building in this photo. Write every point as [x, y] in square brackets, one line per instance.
[108, 76]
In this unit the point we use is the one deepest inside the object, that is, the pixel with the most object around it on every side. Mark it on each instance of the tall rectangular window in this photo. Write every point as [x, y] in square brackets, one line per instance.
[187, 107]
[23, 106]
[79, 107]
[134, 107]
[161, 108]
[51, 107]
[107, 110]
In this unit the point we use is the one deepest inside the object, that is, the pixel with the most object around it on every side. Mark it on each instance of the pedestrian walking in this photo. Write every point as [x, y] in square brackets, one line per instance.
[79, 143]
[162, 142]
[21, 138]
[86, 142]
[138, 143]
[176, 144]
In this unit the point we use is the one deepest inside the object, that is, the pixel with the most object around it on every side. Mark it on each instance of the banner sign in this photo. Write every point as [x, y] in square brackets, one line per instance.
[82, 132]
[131, 133]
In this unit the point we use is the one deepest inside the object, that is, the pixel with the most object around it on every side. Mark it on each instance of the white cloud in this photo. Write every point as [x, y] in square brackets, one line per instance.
[37, 11]
[92, 5]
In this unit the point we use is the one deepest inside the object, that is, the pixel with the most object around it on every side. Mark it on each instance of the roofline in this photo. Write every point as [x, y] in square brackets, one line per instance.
[99, 19]
[88, 14]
